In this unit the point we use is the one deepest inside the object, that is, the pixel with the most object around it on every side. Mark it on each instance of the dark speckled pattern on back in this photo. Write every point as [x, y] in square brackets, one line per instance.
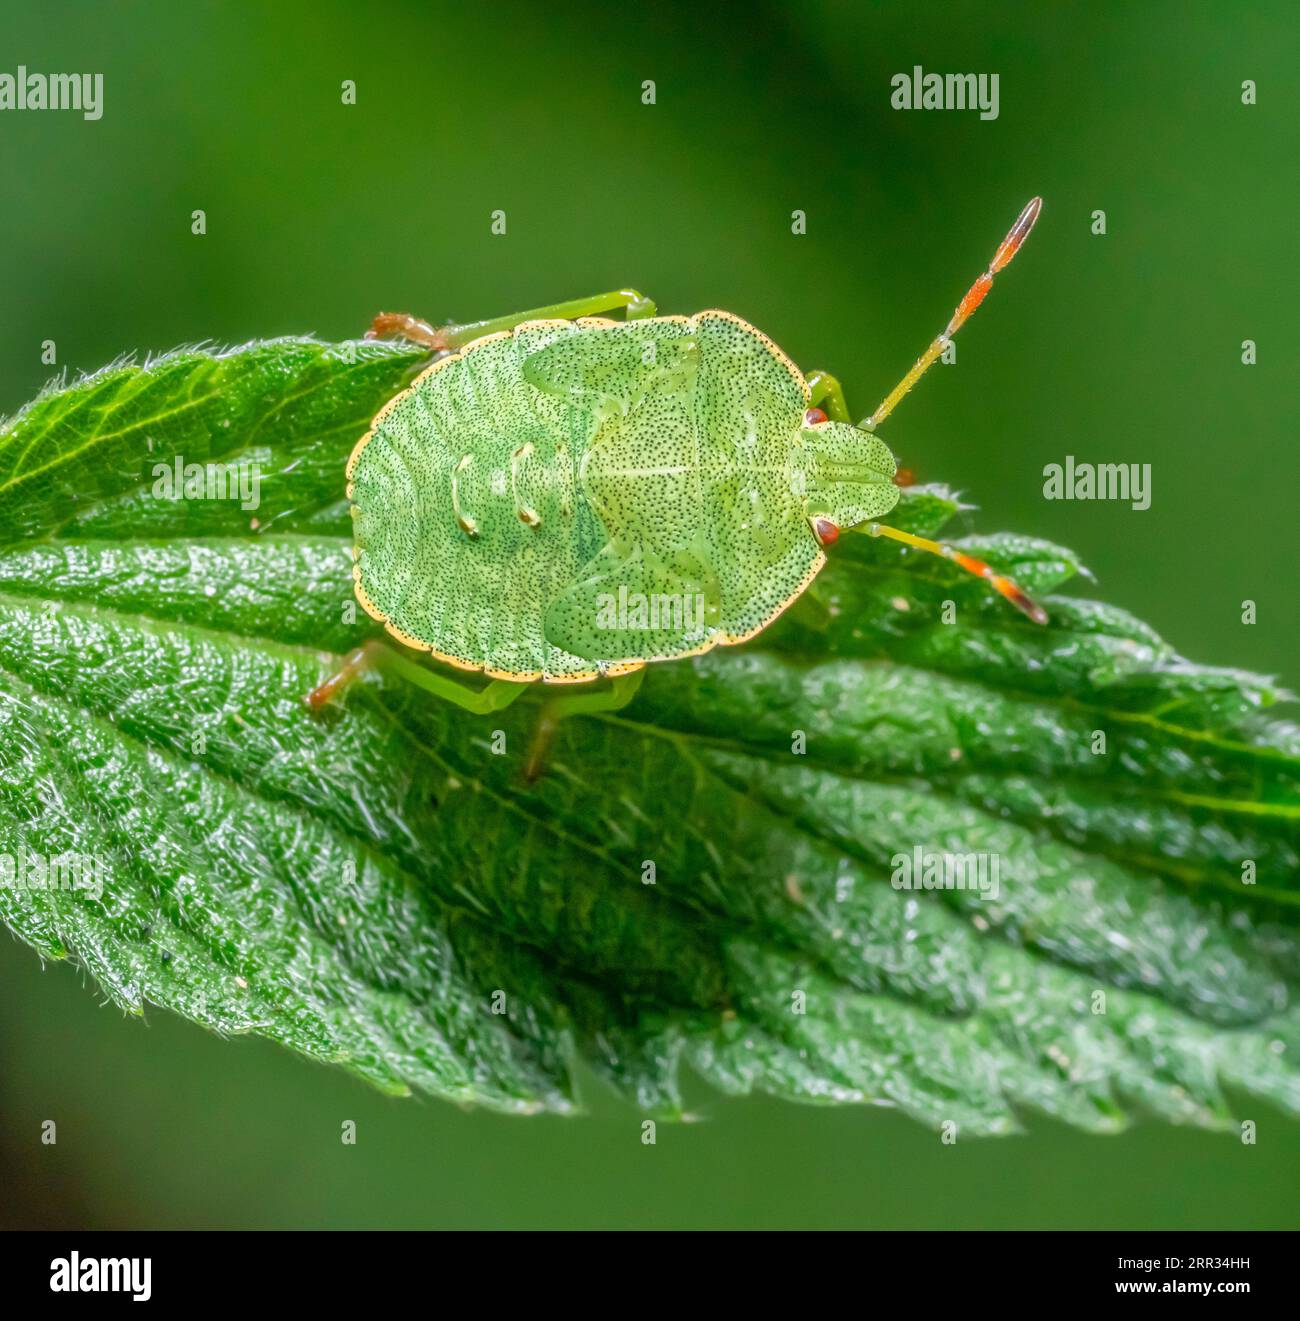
[660, 460]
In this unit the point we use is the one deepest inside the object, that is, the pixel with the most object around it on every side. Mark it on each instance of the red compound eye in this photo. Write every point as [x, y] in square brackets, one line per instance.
[813, 416]
[827, 532]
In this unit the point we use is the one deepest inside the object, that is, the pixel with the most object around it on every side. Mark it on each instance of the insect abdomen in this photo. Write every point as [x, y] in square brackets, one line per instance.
[468, 513]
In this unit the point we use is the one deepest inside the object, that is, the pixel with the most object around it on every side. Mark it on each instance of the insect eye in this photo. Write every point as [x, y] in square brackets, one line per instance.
[813, 416]
[826, 531]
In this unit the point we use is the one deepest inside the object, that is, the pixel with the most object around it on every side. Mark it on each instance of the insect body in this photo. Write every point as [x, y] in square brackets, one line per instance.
[563, 497]
[574, 498]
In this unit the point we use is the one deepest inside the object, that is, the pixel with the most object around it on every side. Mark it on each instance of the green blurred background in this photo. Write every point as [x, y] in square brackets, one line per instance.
[1122, 348]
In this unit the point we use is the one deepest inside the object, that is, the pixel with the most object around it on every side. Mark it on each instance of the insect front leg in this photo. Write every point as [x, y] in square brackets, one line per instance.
[622, 689]
[375, 655]
[636, 307]
[826, 394]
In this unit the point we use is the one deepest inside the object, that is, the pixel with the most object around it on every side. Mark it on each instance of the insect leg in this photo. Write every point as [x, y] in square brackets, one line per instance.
[974, 296]
[622, 689]
[999, 582]
[636, 308]
[375, 655]
[389, 324]
[825, 389]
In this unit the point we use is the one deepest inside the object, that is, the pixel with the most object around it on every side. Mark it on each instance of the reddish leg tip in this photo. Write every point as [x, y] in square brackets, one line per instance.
[813, 416]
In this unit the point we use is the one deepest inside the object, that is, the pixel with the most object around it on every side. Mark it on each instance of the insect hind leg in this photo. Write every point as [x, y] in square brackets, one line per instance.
[636, 307]
[377, 656]
[622, 689]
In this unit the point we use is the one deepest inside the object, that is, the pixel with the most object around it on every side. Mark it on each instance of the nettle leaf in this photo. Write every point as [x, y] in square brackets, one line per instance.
[375, 886]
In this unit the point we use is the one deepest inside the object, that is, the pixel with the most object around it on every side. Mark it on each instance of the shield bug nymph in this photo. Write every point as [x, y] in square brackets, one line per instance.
[563, 497]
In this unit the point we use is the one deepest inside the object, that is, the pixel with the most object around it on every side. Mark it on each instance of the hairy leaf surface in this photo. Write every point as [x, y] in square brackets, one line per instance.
[378, 887]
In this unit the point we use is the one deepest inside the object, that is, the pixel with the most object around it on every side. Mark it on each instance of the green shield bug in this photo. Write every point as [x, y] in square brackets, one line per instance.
[564, 497]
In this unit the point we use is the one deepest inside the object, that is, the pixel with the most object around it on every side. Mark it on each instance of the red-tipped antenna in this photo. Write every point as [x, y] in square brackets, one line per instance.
[974, 296]
[998, 581]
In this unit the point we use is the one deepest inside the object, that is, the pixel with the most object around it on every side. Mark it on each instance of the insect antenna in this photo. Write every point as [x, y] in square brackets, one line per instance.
[999, 582]
[974, 296]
